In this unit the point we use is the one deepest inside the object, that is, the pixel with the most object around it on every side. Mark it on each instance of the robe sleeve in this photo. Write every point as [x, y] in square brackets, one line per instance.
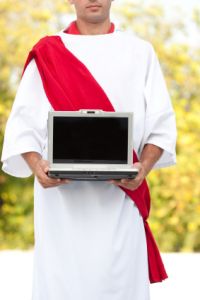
[160, 124]
[26, 128]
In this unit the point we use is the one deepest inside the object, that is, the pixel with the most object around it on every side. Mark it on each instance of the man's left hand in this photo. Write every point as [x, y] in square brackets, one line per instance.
[132, 184]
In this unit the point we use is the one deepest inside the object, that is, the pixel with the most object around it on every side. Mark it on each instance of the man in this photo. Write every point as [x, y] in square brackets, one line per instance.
[90, 241]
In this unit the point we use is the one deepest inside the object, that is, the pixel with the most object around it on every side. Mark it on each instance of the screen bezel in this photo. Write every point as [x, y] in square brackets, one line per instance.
[89, 114]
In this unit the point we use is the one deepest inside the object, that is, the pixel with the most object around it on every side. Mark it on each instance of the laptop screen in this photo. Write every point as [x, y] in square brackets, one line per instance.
[90, 140]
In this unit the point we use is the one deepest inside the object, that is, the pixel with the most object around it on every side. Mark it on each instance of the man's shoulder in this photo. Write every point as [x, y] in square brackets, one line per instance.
[45, 41]
[130, 38]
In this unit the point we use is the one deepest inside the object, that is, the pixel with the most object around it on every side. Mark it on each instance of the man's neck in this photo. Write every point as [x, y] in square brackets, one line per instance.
[93, 28]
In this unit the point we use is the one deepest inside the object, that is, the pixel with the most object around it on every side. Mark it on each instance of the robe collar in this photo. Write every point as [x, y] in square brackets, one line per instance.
[73, 29]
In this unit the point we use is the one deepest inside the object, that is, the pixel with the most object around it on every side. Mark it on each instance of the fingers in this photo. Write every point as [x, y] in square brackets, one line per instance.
[47, 182]
[131, 184]
[41, 170]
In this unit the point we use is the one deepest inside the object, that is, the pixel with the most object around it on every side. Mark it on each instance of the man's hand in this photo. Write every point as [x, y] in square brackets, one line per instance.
[149, 156]
[40, 167]
[40, 170]
[132, 184]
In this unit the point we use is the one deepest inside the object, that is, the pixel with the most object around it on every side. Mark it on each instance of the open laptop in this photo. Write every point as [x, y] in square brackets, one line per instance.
[90, 145]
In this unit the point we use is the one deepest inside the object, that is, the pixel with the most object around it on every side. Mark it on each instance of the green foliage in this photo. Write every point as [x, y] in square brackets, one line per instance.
[175, 191]
[16, 213]
[22, 23]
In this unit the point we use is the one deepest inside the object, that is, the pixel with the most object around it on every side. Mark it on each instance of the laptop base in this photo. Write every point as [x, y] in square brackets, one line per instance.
[93, 175]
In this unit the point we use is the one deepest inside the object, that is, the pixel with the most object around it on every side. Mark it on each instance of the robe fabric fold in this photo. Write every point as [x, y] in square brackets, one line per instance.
[69, 85]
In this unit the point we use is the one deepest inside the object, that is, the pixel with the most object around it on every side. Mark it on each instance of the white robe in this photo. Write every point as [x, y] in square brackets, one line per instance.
[89, 236]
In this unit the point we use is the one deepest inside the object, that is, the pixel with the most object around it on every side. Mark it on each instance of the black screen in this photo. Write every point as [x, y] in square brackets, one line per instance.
[90, 140]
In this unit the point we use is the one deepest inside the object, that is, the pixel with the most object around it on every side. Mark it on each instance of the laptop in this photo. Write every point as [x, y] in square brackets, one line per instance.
[90, 145]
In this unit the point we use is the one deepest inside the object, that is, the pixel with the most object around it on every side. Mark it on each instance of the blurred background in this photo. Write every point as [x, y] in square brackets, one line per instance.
[173, 27]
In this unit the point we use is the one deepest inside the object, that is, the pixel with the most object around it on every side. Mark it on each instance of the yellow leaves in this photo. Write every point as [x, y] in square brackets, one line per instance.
[155, 226]
[41, 16]
[167, 193]
[196, 16]
[154, 11]
[129, 13]
[176, 201]
[7, 209]
[198, 209]
[8, 197]
[22, 23]
[179, 77]
[179, 52]
[4, 196]
[161, 212]
[175, 191]
[192, 226]
[13, 198]
[5, 72]
[185, 180]
[174, 221]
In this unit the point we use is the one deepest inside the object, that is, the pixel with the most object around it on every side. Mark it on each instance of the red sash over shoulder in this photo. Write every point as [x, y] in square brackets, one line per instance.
[69, 85]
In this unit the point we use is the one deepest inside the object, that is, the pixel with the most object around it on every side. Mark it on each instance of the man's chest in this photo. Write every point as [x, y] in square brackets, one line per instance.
[118, 69]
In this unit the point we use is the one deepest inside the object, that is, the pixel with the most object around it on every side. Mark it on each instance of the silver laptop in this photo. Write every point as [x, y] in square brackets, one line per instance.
[90, 145]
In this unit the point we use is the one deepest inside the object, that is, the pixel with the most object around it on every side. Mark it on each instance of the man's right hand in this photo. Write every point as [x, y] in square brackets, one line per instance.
[40, 168]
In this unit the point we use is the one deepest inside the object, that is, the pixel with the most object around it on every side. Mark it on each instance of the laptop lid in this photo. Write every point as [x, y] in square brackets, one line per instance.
[89, 137]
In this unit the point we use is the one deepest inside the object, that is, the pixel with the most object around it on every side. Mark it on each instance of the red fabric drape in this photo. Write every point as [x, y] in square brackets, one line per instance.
[69, 85]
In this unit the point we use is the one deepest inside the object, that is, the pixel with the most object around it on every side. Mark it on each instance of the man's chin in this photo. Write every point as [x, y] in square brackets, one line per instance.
[94, 19]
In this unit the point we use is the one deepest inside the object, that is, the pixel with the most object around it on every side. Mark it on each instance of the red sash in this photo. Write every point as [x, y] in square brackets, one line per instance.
[69, 85]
